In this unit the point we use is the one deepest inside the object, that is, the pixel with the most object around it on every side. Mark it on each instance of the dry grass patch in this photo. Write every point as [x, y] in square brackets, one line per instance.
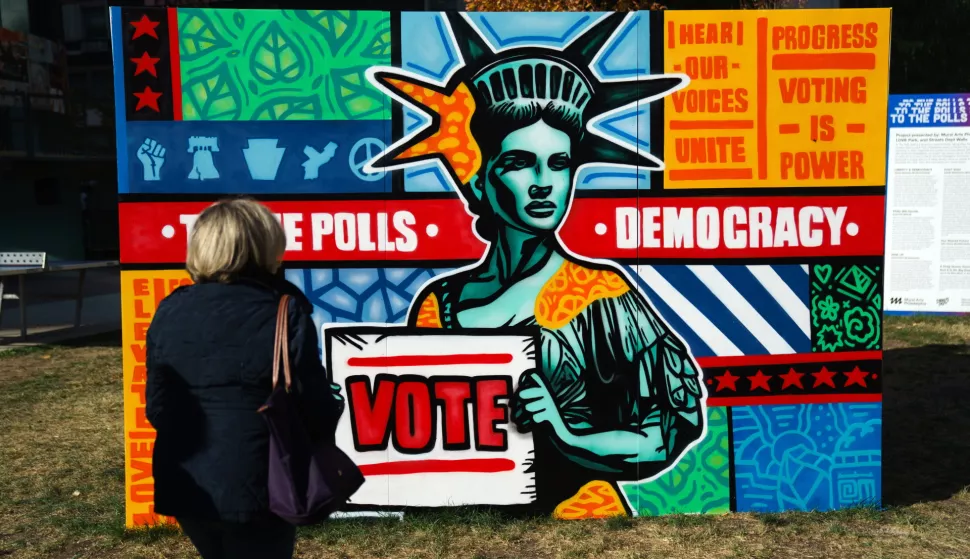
[62, 479]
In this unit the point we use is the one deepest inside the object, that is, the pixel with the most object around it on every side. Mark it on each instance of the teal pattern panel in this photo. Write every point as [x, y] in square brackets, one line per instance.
[846, 307]
[699, 483]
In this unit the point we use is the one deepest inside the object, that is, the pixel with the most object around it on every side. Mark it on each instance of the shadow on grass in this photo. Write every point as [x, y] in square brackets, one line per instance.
[105, 339]
[151, 534]
[45, 343]
[926, 420]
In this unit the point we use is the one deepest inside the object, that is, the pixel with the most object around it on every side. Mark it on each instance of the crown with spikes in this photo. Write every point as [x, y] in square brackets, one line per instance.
[522, 76]
[528, 80]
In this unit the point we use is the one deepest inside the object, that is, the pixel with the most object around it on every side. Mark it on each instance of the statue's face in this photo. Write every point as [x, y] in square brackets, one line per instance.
[528, 182]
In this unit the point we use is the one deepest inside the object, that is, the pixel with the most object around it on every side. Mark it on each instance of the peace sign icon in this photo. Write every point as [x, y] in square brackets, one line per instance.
[363, 151]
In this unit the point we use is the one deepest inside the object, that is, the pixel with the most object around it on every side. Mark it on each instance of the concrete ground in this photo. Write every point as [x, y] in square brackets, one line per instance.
[51, 300]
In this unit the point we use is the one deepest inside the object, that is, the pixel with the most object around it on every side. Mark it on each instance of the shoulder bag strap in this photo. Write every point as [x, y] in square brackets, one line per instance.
[281, 344]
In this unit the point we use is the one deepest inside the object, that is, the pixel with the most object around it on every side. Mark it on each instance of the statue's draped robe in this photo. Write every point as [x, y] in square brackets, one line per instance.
[611, 364]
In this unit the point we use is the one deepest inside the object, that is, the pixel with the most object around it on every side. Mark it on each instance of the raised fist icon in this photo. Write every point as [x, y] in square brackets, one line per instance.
[152, 157]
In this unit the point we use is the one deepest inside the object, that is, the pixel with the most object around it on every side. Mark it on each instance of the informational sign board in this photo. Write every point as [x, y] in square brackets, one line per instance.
[590, 264]
[928, 204]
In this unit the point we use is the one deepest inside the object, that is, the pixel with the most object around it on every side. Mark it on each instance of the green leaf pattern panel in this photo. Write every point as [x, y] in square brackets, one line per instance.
[276, 57]
[699, 483]
[289, 108]
[282, 64]
[197, 37]
[211, 96]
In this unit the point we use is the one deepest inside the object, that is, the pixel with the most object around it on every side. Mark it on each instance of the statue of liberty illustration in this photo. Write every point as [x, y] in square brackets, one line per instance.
[617, 396]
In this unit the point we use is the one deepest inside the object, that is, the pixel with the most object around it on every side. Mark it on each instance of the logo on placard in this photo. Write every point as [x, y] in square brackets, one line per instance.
[896, 301]
[943, 302]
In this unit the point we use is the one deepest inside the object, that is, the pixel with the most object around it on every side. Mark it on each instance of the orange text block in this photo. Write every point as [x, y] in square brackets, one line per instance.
[777, 98]
[141, 292]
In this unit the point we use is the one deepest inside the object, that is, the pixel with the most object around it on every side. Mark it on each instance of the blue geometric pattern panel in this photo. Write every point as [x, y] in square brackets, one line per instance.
[375, 295]
[429, 50]
[504, 31]
[433, 55]
[732, 310]
[807, 457]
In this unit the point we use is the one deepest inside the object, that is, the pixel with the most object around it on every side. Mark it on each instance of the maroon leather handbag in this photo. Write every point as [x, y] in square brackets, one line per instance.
[308, 480]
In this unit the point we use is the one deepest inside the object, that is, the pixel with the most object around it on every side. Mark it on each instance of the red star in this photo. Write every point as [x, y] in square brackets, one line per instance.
[147, 98]
[759, 380]
[792, 378]
[727, 380]
[145, 63]
[144, 26]
[856, 376]
[824, 376]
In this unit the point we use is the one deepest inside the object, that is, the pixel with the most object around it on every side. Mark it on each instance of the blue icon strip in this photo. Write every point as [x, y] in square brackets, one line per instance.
[254, 157]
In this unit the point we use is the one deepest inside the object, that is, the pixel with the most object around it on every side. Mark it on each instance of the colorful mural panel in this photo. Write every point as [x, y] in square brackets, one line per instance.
[281, 65]
[699, 483]
[810, 457]
[557, 261]
[791, 97]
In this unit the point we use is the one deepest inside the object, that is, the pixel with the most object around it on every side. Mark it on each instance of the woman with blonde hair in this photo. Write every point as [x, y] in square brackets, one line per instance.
[209, 366]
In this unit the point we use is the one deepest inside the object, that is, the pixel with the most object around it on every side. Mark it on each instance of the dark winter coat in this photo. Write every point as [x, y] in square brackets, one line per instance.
[209, 357]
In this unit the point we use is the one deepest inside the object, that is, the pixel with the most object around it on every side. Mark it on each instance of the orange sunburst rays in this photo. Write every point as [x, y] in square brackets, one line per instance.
[453, 139]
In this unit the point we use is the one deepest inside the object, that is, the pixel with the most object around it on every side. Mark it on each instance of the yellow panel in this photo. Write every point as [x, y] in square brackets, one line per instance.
[777, 98]
[141, 291]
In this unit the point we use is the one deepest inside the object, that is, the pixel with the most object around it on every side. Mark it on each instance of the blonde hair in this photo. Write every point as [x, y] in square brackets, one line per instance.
[233, 237]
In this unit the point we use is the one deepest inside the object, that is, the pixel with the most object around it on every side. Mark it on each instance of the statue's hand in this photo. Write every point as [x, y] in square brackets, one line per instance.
[522, 418]
[338, 399]
[536, 405]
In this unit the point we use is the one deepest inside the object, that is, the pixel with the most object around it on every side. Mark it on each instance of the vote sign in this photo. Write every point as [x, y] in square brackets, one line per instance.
[427, 415]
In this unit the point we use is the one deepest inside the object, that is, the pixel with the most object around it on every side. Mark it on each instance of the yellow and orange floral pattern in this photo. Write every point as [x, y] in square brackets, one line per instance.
[571, 290]
[428, 316]
[453, 139]
[596, 499]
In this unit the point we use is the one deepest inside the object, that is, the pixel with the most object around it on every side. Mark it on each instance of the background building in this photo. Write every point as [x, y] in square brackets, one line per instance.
[58, 188]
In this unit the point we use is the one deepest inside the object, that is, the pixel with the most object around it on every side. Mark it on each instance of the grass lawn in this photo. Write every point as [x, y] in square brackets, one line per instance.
[62, 478]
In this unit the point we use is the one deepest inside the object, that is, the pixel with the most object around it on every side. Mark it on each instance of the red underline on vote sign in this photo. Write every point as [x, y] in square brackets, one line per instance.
[830, 61]
[711, 124]
[470, 465]
[793, 399]
[709, 174]
[785, 359]
[856, 128]
[431, 360]
[788, 128]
